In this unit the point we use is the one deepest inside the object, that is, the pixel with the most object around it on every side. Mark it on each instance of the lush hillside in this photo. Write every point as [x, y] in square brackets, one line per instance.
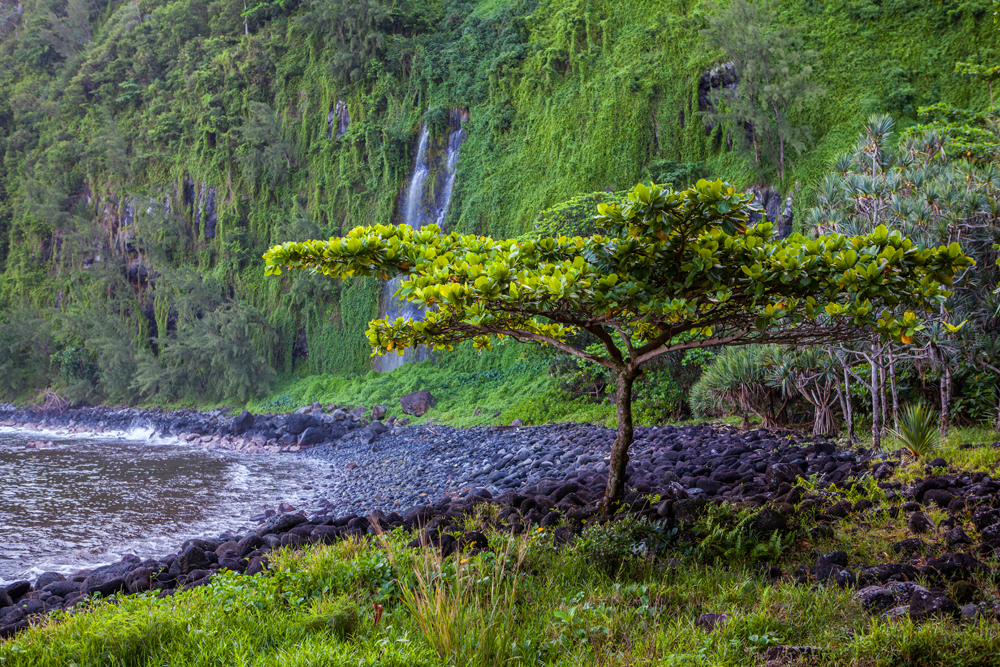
[154, 149]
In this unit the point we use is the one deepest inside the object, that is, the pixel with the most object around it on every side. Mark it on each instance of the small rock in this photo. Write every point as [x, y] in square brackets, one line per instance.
[709, 622]
[924, 604]
[874, 598]
[919, 523]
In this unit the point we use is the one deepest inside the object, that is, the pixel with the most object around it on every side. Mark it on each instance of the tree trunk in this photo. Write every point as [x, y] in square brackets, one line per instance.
[823, 421]
[618, 463]
[876, 389]
[845, 405]
[881, 389]
[893, 389]
[945, 398]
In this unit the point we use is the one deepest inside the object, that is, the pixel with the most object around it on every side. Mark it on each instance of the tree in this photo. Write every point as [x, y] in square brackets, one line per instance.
[773, 76]
[677, 271]
[981, 72]
[354, 31]
[935, 194]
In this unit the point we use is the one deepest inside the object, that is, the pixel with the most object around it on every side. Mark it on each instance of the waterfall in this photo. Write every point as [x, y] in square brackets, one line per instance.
[455, 140]
[412, 214]
[421, 206]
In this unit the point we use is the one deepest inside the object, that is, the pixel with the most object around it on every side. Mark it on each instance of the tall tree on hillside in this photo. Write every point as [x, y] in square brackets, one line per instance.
[677, 271]
[935, 193]
[773, 73]
[354, 31]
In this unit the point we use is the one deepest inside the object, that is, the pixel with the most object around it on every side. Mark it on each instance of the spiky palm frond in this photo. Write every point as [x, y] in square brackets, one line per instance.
[918, 431]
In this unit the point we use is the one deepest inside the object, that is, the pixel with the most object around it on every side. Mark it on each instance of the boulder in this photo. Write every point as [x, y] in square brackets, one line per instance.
[875, 598]
[249, 544]
[103, 575]
[311, 436]
[956, 537]
[777, 473]
[193, 558]
[829, 564]
[296, 424]
[280, 523]
[241, 424]
[938, 497]
[18, 590]
[5, 600]
[231, 545]
[378, 412]
[63, 588]
[925, 604]
[139, 579]
[108, 587]
[766, 522]
[417, 403]
[46, 578]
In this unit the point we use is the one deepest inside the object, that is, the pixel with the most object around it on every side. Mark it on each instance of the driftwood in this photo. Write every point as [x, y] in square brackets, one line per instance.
[54, 402]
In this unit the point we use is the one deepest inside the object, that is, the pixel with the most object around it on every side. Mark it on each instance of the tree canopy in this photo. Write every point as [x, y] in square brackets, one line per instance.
[675, 271]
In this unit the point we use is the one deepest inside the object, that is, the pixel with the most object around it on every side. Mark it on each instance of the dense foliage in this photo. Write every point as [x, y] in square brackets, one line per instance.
[150, 142]
[676, 271]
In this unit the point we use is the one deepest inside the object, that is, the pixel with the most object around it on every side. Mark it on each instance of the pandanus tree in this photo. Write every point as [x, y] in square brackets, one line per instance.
[674, 271]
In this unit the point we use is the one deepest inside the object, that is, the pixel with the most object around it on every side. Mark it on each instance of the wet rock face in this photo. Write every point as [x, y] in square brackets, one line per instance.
[338, 120]
[709, 83]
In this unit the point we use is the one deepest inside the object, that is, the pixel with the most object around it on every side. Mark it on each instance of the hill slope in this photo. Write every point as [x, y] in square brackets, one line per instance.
[153, 149]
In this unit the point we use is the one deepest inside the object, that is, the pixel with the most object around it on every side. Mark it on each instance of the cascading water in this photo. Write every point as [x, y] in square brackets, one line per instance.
[455, 140]
[413, 212]
[419, 208]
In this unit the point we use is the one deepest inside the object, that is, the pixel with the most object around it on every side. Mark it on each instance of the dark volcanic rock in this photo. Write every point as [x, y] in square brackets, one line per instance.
[767, 521]
[311, 436]
[108, 587]
[280, 523]
[241, 424]
[46, 578]
[193, 558]
[925, 604]
[63, 588]
[919, 523]
[875, 598]
[782, 472]
[295, 424]
[18, 589]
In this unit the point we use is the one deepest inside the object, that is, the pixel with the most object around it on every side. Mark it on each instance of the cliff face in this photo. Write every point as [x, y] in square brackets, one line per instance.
[184, 137]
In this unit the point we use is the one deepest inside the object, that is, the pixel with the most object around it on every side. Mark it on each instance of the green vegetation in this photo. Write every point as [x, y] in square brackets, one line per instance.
[625, 592]
[152, 142]
[917, 431]
[678, 271]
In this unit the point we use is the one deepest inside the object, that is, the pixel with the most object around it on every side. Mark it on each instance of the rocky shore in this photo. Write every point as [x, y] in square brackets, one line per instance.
[429, 478]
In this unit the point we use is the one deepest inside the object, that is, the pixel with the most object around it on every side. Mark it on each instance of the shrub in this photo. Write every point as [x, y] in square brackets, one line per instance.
[918, 430]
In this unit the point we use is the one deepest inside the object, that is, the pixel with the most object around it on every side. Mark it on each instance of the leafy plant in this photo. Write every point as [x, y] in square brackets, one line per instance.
[680, 270]
[724, 535]
[918, 431]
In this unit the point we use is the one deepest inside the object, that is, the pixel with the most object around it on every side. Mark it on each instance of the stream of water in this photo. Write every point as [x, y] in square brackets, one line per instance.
[421, 208]
[89, 500]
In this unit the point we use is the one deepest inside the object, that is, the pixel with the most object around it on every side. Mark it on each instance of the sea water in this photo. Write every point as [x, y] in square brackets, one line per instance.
[88, 500]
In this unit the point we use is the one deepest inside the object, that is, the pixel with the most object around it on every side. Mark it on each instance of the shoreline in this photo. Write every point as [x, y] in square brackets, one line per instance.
[549, 476]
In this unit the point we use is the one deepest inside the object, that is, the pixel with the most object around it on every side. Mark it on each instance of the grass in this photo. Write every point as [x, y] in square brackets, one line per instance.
[601, 599]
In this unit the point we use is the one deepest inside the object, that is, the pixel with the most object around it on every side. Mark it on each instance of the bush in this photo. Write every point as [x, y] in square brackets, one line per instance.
[918, 431]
